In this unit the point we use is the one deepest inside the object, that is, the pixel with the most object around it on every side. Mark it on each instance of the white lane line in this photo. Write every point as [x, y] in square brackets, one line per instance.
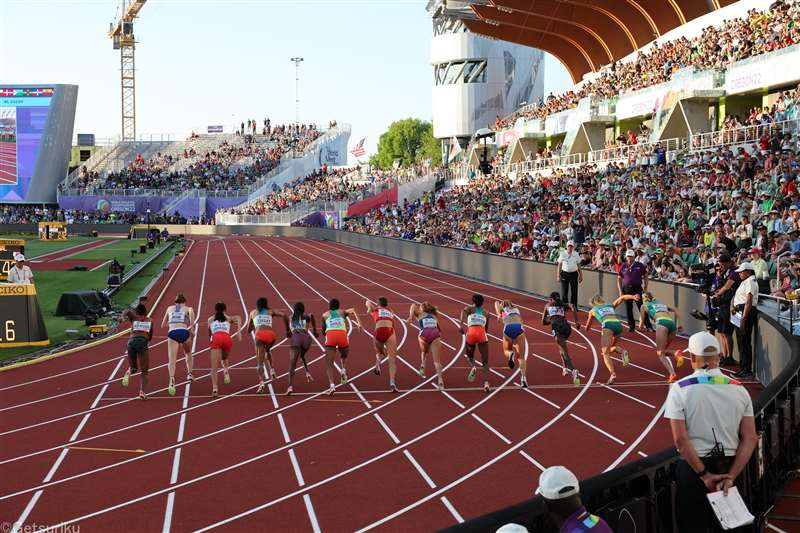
[642, 454]
[360, 396]
[63, 250]
[386, 428]
[634, 398]
[601, 431]
[81, 369]
[452, 399]
[419, 468]
[296, 466]
[490, 428]
[24, 516]
[536, 463]
[452, 509]
[312, 515]
[639, 439]
[101, 265]
[176, 461]
[775, 528]
[54, 468]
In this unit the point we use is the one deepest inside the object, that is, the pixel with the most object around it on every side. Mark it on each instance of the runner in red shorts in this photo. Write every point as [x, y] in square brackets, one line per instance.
[334, 327]
[220, 326]
[259, 323]
[385, 338]
[474, 318]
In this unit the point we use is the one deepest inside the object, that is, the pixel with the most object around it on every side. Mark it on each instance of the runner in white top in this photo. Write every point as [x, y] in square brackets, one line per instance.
[509, 315]
[180, 319]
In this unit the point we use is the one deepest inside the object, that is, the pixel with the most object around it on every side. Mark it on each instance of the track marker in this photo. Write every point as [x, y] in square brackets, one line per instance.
[344, 400]
[106, 449]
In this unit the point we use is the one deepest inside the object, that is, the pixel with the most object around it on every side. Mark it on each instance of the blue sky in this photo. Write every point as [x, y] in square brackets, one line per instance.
[203, 62]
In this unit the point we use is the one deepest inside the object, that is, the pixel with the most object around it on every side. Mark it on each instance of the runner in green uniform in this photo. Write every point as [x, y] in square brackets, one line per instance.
[666, 324]
[611, 328]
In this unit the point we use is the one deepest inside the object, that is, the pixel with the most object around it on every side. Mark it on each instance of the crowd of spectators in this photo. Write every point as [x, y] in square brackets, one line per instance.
[24, 214]
[230, 167]
[324, 185]
[671, 214]
[756, 33]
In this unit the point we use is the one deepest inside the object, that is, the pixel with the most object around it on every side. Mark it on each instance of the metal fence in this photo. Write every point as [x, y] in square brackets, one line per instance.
[742, 135]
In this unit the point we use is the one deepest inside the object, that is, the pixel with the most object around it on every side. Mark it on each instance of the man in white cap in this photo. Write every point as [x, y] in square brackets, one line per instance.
[561, 493]
[632, 279]
[20, 273]
[743, 315]
[711, 418]
[569, 274]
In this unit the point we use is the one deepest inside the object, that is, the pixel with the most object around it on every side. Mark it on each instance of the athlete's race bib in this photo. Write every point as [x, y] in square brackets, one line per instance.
[555, 310]
[511, 311]
[141, 326]
[603, 312]
[384, 313]
[476, 320]
[177, 317]
[298, 325]
[336, 323]
[217, 326]
[429, 322]
[659, 308]
[260, 321]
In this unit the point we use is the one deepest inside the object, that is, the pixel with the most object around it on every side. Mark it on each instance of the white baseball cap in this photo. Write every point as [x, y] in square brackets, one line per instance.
[703, 344]
[570, 243]
[630, 253]
[747, 265]
[19, 257]
[557, 483]
[512, 528]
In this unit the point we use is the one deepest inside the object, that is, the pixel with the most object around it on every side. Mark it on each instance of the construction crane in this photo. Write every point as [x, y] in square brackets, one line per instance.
[121, 34]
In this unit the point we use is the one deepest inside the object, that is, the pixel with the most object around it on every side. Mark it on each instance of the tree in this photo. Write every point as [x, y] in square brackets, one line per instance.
[410, 140]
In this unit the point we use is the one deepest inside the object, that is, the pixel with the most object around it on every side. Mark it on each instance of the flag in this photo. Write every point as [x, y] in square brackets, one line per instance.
[358, 150]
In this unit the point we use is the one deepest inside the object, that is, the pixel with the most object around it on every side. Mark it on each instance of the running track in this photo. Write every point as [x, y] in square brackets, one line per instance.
[8, 163]
[365, 459]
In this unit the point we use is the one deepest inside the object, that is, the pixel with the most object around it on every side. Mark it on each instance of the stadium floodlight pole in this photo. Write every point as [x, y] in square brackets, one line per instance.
[297, 61]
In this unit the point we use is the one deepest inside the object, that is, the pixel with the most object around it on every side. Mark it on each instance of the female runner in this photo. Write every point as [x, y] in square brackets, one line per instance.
[666, 324]
[334, 327]
[301, 341]
[474, 318]
[260, 322]
[513, 335]
[606, 315]
[385, 338]
[138, 349]
[555, 314]
[179, 318]
[219, 331]
[430, 337]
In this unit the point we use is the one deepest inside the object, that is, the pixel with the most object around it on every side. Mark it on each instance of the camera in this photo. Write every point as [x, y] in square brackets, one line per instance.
[706, 279]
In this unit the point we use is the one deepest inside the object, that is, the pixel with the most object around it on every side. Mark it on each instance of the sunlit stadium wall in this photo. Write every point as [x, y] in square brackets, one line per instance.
[42, 117]
[514, 75]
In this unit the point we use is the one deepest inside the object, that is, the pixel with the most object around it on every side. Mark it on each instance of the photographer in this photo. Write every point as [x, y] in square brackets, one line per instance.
[711, 418]
[744, 314]
[728, 281]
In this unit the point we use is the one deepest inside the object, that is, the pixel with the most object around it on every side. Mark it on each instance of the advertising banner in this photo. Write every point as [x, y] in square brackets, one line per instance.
[116, 204]
[214, 129]
[389, 196]
[763, 71]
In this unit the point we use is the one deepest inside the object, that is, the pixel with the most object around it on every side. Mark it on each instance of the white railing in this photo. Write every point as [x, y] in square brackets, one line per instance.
[632, 152]
[270, 219]
[742, 135]
[541, 163]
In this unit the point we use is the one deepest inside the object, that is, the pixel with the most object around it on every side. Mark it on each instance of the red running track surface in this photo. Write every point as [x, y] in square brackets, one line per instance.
[77, 448]
[8, 163]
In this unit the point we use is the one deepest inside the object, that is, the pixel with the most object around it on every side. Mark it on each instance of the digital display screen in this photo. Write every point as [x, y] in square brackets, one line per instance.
[23, 117]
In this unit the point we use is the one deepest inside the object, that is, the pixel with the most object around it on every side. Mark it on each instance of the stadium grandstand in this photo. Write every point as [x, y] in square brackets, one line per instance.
[601, 284]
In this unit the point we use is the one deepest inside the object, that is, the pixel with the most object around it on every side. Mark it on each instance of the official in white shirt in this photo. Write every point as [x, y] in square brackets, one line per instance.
[743, 313]
[569, 274]
[20, 273]
[711, 418]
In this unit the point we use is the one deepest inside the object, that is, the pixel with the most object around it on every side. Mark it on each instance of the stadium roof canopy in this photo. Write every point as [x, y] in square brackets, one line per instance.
[583, 34]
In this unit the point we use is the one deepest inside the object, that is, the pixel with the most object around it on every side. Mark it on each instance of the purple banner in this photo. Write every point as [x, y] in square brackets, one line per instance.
[116, 204]
[320, 219]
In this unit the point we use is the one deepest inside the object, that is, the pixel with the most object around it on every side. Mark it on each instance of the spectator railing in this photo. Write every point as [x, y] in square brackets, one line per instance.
[632, 152]
[742, 135]
[542, 163]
